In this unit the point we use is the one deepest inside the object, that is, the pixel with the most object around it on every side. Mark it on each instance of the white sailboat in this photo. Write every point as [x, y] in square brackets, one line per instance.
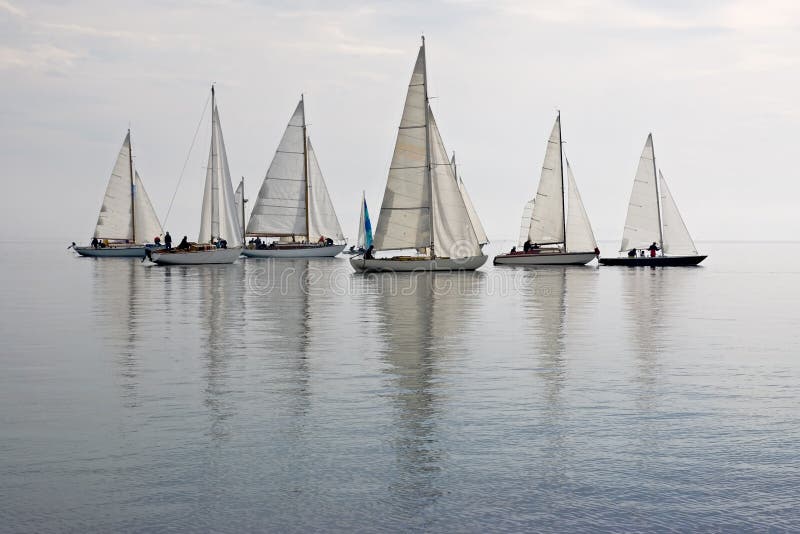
[127, 219]
[220, 239]
[422, 208]
[555, 234]
[480, 233]
[653, 219]
[293, 204]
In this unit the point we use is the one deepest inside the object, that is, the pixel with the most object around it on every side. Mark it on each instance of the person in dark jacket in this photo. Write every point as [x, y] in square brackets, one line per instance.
[184, 244]
[167, 241]
[653, 248]
[368, 254]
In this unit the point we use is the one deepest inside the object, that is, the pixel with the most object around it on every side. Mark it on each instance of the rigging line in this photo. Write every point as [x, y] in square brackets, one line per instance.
[185, 163]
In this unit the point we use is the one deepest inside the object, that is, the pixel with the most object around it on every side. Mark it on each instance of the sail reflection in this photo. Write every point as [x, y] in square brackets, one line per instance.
[423, 319]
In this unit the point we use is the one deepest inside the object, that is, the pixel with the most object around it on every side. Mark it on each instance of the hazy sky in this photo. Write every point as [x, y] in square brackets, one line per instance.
[716, 82]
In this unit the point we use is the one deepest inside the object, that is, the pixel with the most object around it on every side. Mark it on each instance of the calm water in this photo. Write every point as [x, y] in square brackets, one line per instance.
[297, 396]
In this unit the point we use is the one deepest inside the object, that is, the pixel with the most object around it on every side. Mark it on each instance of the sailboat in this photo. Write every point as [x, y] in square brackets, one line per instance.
[293, 203]
[557, 235]
[220, 239]
[653, 218]
[364, 230]
[480, 233]
[422, 205]
[127, 219]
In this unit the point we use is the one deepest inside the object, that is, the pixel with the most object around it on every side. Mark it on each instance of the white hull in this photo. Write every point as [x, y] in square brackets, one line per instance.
[411, 265]
[196, 257]
[560, 258]
[299, 252]
[135, 251]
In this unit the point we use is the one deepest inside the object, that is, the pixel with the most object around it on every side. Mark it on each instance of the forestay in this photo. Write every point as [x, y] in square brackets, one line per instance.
[580, 237]
[453, 232]
[218, 219]
[280, 209]
[322, 218]
[547, 218]
[677, 240]
[405, 216]
[642, 222]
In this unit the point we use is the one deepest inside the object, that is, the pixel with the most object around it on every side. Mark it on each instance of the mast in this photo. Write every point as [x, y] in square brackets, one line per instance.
[428, 141]
[658, 199]
[243, 201]
[214, 176]
[305, 166]
[563, 190]
[133, 187]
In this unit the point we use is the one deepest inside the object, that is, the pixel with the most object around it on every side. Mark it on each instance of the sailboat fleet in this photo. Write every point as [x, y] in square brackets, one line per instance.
[427, 220]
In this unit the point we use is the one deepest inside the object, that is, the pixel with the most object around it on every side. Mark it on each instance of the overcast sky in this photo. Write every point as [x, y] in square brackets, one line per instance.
[716, 82]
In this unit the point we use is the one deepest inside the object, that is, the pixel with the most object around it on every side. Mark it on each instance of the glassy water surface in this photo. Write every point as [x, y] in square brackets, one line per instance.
[299, 396]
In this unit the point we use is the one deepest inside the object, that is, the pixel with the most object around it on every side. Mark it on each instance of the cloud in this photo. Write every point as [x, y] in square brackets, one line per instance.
[39, 57]
[8, 7]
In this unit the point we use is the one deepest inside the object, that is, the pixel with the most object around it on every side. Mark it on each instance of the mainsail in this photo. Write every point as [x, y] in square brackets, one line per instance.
[123, 194]
[547, 219]
[580, 237]
[218, 217]
[642, 226]
[364, 226]
[280, 209]
[405, 217]
[422, 205]
[677, 240]
[473, 215]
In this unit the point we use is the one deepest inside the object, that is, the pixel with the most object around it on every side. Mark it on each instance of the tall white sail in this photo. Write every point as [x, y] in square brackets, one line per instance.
[642, 226]
[547, 220]
[405, 217]
[238, 201]
[322, 218]
[677, 240]
[147, 223]
[280, 209]
[114, 221]
[453, 232]
[473, 215]
[525, 223]
[218, 218]
[580, 237]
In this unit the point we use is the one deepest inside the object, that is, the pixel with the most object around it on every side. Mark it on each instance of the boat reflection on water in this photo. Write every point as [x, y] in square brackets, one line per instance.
[423, 319]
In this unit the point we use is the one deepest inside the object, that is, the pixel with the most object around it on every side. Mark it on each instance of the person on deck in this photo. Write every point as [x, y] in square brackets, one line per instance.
[167, 241]
[321, 240]
[368, 254]
[632, 253]
[513, 250]
[597, 252]
[653, 248]
[526, 247]
[535, 246]
[95, 242]
[184, 244]
[329, 242]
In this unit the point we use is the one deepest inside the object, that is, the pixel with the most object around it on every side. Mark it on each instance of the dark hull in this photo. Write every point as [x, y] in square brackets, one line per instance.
[658, 261]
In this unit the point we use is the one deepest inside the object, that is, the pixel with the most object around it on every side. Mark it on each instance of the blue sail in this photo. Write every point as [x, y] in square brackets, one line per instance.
[367, 227]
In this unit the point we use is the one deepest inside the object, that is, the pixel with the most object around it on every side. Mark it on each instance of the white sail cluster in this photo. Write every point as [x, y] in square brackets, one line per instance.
[293, 199]
[423, 206]
[219, 218]
[123, 194]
